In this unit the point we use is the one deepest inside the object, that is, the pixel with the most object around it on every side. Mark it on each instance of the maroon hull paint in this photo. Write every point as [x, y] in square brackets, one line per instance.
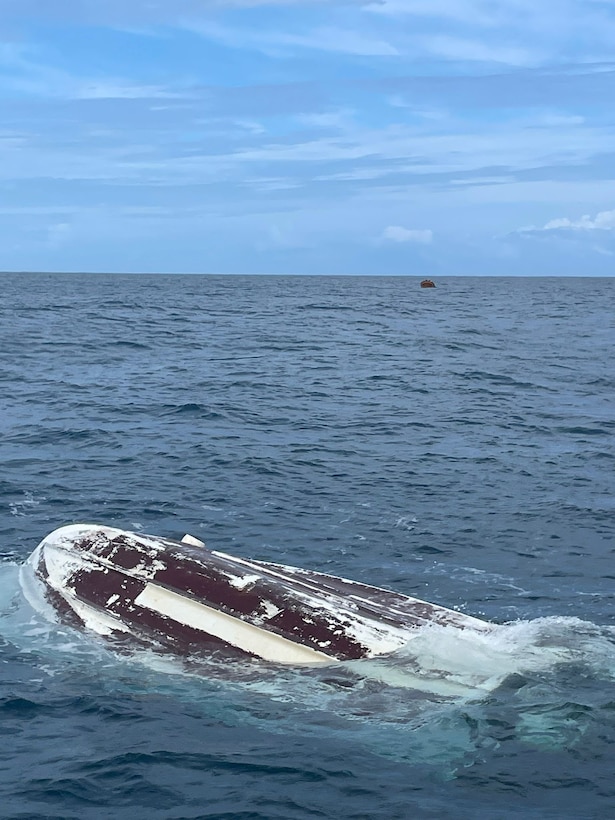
[209, 596]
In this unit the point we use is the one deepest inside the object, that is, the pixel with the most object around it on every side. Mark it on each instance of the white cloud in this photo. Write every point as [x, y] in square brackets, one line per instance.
[341, 41]
[339, 119]
[58, 234]
[515, 32]
[457, 10]
[251, 126]
[396, 156]
[515, 145]
[602, 221]
[27, 76]
[472, 50]
[395, 233]
[119, 90]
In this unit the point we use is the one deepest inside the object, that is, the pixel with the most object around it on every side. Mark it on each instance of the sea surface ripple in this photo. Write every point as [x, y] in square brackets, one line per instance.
[455, 444]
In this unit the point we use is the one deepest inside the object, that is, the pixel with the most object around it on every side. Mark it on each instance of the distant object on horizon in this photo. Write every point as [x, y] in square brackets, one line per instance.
[428, 283]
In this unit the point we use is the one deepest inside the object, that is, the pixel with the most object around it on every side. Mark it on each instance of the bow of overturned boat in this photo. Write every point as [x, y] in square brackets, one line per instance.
[184, 597]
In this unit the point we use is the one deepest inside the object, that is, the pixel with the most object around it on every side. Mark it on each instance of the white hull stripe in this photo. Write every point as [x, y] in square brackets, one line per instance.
[233, 631]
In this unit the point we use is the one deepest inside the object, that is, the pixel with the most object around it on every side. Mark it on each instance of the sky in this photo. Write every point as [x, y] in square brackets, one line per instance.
[413, 137]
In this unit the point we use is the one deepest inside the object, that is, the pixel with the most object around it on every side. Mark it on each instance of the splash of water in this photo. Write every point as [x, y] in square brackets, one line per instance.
[429, 701]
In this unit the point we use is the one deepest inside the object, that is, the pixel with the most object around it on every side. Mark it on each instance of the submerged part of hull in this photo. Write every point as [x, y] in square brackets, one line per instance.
[180, 595]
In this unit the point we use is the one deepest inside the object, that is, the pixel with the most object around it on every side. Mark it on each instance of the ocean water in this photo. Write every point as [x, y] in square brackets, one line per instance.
[454, 444]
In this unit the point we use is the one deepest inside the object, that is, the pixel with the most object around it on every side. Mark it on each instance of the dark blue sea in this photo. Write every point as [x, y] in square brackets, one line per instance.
[456, 444]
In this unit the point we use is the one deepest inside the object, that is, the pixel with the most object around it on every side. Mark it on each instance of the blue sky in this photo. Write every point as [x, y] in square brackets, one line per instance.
[414, 137]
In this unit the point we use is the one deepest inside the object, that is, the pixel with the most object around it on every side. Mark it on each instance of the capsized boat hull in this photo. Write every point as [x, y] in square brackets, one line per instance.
[184, 597]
